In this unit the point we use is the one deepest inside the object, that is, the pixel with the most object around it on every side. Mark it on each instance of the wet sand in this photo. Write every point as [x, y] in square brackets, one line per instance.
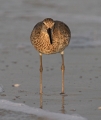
[19, 62]
[82, 80]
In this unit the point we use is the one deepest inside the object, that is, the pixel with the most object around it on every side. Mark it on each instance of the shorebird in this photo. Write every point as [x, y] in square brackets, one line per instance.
[50, 37]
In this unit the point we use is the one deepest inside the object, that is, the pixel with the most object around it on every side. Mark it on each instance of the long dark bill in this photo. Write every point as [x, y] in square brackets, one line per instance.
[50, 35]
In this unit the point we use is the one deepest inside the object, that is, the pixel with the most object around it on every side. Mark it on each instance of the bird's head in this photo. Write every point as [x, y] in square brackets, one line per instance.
[48, 22]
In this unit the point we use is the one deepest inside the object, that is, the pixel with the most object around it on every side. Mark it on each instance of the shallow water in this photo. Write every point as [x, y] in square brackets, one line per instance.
[19, 63]
[17, 19]
[16, 111]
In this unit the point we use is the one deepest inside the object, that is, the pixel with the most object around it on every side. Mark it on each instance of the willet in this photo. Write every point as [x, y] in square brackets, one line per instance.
[50, 37]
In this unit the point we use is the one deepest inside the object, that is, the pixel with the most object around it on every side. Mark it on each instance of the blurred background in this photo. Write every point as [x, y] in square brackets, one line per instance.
[18, 17]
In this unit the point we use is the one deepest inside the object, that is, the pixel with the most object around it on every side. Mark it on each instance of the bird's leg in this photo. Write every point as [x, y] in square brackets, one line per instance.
[63, 70]
[41, 70]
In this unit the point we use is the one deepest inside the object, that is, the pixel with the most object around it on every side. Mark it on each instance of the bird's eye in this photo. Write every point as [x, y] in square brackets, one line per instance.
[43, 23]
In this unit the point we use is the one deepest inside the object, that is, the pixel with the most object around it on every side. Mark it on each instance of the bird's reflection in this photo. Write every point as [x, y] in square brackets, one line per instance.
[62, 103]
[41, 101]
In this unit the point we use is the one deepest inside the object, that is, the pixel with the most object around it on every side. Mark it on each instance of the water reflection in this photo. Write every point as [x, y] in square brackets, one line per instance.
[41, 101]
[62, 103]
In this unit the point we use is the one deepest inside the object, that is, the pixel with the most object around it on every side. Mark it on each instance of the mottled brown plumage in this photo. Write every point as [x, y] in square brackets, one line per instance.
[50, 37]
[60, 36]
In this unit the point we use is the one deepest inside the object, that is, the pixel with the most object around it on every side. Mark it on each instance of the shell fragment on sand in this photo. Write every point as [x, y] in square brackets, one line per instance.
[99, 108]
[16, 85]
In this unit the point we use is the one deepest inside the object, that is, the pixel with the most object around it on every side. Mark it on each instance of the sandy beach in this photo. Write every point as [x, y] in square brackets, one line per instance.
[82, 80]
[19, 61]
